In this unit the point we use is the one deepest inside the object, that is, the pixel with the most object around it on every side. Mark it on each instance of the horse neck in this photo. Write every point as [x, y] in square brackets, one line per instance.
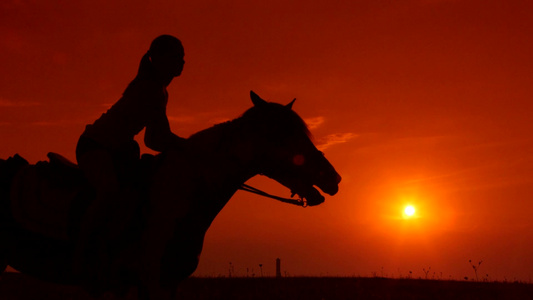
[229, 150]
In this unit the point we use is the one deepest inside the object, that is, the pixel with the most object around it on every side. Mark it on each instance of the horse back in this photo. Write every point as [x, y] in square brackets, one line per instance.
[8, 169]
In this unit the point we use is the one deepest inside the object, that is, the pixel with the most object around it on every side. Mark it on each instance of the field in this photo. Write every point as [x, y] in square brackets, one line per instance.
[18, 287]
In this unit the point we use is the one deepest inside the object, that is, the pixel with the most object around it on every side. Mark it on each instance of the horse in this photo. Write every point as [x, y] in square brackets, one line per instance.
[181, 192]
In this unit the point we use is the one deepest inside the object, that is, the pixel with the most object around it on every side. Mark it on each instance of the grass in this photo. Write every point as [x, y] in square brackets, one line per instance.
[17, 287]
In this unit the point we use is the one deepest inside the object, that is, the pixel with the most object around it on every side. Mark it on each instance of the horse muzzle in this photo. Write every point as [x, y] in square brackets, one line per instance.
[314, 197]
[329, 184]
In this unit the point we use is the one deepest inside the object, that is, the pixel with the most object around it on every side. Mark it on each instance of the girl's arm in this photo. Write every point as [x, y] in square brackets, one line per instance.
[158, 135]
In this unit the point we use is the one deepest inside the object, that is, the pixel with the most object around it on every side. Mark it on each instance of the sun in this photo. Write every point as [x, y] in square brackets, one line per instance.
[409, 211]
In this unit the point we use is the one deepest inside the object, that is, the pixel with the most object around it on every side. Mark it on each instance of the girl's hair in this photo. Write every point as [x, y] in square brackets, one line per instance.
[163, 44]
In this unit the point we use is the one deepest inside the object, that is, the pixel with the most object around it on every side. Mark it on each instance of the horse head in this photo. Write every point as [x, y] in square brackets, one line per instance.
[287, 153]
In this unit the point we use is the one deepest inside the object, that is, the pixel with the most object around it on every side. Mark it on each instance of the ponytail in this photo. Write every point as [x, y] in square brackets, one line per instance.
[145, 67]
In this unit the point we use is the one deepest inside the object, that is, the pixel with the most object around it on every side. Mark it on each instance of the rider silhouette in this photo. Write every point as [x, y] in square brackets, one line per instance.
[108, 145]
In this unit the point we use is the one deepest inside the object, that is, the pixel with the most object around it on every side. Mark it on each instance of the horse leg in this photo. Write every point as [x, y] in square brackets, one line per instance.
[8, 170]
[3, 261]
[142, 293]
[4, 193]
[4, 242]
[145, 293]
[154, 281]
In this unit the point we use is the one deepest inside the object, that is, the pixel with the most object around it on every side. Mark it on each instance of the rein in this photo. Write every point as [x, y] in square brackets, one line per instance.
[299, 202]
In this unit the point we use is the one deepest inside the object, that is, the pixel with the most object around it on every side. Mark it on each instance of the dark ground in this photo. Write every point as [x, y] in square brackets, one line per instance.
[16, 287]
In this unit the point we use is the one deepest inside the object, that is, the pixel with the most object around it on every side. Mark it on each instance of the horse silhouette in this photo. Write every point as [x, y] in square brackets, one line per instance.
[181, 193]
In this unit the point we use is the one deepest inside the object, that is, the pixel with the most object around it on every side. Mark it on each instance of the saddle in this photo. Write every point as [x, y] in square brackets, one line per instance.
[47, 197]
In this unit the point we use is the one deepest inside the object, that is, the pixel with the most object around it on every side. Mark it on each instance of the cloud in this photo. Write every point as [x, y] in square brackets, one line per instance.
[429, 2]
[11, 103]
[315, 122]
[219, 120]
[182, 119]
[56, 123]
[336, 138]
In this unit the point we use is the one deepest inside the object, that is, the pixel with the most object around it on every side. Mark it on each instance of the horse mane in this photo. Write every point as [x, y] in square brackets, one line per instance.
[272, 118]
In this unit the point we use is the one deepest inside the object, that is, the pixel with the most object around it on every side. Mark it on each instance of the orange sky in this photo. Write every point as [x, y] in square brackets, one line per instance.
[425, 102]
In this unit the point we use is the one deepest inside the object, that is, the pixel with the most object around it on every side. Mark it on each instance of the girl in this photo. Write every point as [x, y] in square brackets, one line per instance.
[107, 147]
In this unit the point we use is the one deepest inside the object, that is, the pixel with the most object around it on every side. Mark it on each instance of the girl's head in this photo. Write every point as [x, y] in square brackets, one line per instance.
[165, 58]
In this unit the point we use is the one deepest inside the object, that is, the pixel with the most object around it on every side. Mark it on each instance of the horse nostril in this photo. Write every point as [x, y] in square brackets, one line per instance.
[339, 178]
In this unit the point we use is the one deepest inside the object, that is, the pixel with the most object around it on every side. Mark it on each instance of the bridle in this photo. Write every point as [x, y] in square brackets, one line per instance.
[299, 202]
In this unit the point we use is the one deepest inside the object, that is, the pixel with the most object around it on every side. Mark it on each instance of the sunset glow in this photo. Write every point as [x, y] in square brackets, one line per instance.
[422, 106]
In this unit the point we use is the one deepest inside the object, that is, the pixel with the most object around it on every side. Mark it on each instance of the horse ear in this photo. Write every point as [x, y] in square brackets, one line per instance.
[290, 104]
[256, 100]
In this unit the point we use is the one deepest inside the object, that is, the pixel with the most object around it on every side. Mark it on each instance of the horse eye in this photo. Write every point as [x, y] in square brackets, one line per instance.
[298, 160]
